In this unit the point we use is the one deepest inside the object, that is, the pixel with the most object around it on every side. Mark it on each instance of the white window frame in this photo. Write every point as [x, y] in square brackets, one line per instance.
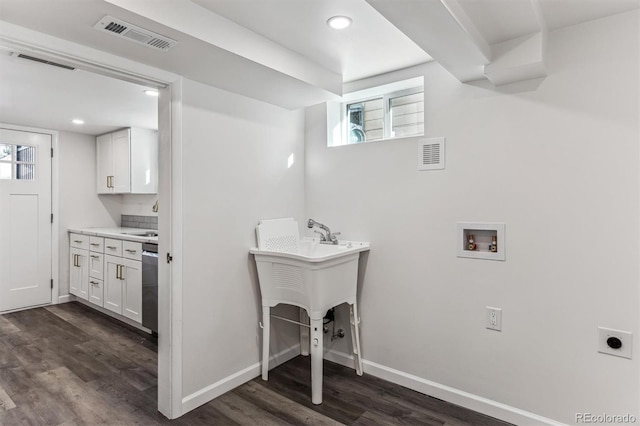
[338, 117]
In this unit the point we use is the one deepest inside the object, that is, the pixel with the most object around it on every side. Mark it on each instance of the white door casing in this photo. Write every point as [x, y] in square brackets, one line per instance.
[25, 219]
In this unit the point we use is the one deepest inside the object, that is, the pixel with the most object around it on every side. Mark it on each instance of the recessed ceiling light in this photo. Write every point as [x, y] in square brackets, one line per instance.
[151, 92]
[77, 121]
[339, 22]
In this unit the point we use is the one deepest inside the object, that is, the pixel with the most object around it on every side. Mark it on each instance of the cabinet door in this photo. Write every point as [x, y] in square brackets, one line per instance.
[113, 284]
[121, 161]
[104, 163]
[96, 265]
[132, 291]
[96, 291]
[79, 273]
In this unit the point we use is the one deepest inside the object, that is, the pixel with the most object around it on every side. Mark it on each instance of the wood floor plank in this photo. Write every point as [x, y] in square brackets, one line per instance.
[6, 403]
[244, 412]
[104, 328]
[7, 358]
[282, 407]
[299, 390]
[70, 391]
[6, 326]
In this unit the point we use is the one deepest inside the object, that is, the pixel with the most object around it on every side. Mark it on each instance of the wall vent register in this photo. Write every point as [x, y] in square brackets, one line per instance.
[431, 154]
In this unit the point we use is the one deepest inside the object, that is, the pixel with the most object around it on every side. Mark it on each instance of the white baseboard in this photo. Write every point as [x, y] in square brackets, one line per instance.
[445, 393]
[66, 298]
[228, 383]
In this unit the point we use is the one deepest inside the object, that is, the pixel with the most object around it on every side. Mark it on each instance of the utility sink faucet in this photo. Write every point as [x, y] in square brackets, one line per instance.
[326, 237]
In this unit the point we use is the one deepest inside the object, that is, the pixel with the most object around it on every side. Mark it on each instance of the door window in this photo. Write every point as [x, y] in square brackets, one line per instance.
[17, 162]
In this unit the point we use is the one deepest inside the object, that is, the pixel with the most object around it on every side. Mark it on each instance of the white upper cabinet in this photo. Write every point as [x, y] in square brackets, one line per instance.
[127, 162]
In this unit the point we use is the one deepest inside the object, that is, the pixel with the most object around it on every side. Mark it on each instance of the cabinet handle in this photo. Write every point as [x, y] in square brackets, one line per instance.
[117, 271]
[129, 251]
[94, 244]
[76, 262]
[111, 247]
[77, 241]
[93, 256]
[93, 283]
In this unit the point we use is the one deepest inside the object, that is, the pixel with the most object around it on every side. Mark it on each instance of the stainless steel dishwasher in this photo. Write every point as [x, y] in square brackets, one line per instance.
[150, 286]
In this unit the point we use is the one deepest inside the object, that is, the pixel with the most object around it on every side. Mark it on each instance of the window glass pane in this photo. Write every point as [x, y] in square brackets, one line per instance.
[407, 115]
[5, 170]
[366, 121]
[25, 171]
[5, 152]
[26, 153]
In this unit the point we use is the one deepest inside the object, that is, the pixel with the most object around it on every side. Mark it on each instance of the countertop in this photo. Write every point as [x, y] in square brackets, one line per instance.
[117, 233]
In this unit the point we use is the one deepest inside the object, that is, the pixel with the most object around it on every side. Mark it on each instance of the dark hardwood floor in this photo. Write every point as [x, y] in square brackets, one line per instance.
[70, 365]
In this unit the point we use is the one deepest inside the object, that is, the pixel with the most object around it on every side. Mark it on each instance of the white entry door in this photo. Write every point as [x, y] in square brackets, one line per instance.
[25, 219]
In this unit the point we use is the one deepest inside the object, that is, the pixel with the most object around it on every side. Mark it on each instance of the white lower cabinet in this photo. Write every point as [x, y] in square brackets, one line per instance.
[112, 284]
[123, 287]
[96, 291]
[132, 290]
[79, 273]
[112, 280]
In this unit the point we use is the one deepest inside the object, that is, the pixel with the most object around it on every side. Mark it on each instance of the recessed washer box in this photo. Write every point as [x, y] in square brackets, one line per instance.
[488, 238]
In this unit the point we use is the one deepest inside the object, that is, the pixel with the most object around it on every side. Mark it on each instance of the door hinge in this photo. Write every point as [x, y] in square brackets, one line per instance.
[51, 282]
[169, 258]
[51, 217]
[51, 152]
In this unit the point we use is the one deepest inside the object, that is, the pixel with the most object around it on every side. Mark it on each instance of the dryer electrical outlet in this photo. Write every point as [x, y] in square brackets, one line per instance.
[615, 342]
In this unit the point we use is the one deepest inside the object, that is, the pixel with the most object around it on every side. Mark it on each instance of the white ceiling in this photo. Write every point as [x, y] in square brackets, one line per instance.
[370, 46]
[279, 51]
[501, 20]
[38, 95]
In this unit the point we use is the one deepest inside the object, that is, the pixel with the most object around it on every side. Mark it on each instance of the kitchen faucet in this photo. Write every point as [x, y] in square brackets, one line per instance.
[329, 237]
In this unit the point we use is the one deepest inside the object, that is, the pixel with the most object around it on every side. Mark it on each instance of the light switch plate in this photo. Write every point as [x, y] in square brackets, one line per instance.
[624, 336]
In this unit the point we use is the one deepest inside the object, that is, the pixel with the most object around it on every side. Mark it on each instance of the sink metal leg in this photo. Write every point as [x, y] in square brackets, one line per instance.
[266, 327]
[304, 333]
[316, 360]
[355, 337]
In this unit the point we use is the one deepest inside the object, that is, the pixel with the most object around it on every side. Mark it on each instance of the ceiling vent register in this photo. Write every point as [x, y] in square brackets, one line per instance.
[134, 33]
[431, 154]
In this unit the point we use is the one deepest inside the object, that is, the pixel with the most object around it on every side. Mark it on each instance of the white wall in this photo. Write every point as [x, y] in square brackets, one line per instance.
[234, 173]
[139, 204]
[80, 206]
[559, 165]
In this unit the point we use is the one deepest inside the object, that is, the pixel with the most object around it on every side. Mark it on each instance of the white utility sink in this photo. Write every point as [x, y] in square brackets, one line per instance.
[317, 277]
[313, 276]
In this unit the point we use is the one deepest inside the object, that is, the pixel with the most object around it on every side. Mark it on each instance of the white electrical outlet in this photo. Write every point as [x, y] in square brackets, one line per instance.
[615, 342]
[494, 318]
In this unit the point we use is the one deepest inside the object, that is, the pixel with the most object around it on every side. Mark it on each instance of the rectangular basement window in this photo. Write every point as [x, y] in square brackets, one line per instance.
[385, 112]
